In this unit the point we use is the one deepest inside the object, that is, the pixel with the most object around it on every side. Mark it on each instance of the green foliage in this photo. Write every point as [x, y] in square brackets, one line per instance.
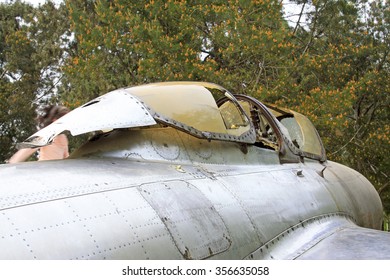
[18, 77]
[239, 44]
[31, 49]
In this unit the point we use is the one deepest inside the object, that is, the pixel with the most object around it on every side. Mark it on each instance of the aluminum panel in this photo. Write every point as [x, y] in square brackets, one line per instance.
[116, 109]
[196, 227]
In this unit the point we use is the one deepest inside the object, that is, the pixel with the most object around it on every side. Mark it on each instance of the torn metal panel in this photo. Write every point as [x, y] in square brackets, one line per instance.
[117, 109]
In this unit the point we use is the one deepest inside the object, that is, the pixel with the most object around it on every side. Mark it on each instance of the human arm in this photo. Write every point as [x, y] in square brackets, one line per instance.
[22, 155]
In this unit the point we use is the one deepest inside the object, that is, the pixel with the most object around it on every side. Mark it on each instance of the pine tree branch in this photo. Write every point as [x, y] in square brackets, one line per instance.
[299, 19]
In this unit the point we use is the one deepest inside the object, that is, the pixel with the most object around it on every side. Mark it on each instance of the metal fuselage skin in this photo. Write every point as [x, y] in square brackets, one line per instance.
[158, 193]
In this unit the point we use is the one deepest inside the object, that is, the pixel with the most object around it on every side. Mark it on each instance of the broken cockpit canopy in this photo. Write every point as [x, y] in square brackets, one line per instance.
[187, 106]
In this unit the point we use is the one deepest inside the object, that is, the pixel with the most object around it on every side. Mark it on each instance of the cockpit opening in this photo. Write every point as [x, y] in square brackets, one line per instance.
[265, 134]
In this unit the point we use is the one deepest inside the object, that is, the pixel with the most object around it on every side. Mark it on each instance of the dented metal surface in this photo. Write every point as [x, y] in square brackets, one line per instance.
[185, 210]
[167, 187]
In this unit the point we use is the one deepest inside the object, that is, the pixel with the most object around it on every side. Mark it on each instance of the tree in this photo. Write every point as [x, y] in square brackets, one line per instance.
[18, 77]
[240, 44]
[33, 44]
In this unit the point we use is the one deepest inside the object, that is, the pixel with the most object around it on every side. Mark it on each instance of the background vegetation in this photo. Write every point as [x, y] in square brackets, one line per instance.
[330, 62]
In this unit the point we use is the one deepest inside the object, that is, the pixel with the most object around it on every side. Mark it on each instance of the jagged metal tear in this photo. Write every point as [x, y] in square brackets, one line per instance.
[116, 109]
